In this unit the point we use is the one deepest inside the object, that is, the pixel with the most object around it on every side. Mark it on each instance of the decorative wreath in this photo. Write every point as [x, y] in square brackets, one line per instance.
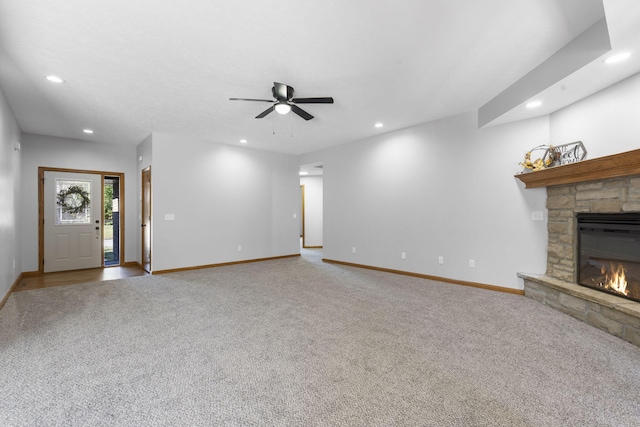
[74, 200]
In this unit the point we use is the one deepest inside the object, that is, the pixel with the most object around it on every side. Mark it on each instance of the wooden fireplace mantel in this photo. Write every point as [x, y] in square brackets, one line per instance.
[614, 166]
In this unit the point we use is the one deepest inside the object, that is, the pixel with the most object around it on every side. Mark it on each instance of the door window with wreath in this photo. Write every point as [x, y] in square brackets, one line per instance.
[73, 202]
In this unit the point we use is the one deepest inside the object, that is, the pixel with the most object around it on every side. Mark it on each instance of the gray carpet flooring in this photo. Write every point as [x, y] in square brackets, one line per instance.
[298, 342]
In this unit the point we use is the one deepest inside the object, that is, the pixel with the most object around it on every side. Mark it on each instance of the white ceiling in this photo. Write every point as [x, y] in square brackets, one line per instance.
[143, 66]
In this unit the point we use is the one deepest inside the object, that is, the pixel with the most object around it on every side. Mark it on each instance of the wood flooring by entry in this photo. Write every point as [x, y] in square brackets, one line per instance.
[77, 276]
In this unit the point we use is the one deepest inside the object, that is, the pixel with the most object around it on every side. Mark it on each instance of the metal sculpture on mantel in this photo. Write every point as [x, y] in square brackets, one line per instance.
[554, 155]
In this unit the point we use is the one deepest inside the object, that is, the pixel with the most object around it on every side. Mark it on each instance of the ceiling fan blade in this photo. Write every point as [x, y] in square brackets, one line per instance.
[322, 100]
[299, 111]
[250, 99]
[265, 112]
[282, 91]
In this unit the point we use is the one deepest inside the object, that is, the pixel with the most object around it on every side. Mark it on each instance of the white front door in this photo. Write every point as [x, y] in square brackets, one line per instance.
[72, 221]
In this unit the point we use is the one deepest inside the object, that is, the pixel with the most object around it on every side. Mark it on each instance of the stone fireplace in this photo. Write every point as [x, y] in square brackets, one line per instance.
[608, 188]
[565, 202]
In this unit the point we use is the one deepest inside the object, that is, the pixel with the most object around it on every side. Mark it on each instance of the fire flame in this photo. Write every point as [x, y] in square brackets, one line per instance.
[615, 279]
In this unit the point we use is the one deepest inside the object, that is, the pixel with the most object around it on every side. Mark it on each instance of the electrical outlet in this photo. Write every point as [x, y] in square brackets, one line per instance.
[353, 249]
[440, 260]
[403, 255]
[239, 248]
[472, 263]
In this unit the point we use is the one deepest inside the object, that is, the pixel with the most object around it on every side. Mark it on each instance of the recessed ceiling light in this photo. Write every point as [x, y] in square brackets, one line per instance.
[378, 125]
[304, 173]
[55, 79]
[243, 141]
[534, 104]
[617, 58]
[87, 131]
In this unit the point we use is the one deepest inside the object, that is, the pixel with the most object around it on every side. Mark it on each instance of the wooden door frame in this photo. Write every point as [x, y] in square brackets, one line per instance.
[41, 171]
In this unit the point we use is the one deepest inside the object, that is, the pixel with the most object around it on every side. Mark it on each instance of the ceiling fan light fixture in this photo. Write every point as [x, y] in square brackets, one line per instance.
[285, 103]
[283, 108]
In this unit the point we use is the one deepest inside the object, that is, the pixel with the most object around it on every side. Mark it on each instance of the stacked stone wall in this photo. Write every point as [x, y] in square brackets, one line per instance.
[564, 202]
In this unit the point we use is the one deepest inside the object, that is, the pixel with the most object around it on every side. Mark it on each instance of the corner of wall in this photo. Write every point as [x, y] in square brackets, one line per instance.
[10, 187]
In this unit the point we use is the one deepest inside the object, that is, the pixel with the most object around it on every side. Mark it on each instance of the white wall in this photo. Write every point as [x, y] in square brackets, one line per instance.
[443, 188]
[49, 151]
[9, 193]
[222, 197]
[440, 188]
[447, 189]
[313, 210]
[607, 122]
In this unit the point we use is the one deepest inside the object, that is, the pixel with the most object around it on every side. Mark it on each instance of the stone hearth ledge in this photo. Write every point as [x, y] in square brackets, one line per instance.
[615, 315]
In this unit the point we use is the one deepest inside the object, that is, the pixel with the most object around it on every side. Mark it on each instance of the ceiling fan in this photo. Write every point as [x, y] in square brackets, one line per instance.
[285, 102]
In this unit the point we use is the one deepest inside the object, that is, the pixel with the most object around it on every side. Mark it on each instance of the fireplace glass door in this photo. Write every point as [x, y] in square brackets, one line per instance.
[609, 253]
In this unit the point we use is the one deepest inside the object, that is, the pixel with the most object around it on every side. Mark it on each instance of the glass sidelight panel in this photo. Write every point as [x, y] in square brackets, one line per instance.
[111, 220]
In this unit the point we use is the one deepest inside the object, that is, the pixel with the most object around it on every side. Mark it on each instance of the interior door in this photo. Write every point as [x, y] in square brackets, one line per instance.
[146, 220]
[72, 221]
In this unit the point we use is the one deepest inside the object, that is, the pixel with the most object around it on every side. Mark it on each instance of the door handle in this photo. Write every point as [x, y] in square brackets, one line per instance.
[143, 225]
